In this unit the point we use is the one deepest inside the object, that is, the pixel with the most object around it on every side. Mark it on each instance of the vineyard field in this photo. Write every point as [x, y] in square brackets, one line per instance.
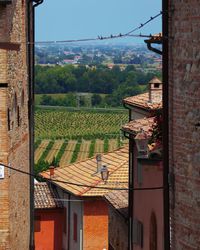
[69, 151]
[63, 137]
[64, 124]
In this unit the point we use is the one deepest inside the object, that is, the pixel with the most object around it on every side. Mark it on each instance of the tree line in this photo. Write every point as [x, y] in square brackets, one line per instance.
[115, 83]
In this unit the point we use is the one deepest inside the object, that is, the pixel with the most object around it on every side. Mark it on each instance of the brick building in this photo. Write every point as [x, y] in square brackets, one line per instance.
[182, 68]
[14, 124]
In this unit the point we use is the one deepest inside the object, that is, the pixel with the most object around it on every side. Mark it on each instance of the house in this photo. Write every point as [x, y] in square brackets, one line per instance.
[83, 191]
[145, 170]
[49, 217]
[147, 205]
[15, 137]
[143, 105]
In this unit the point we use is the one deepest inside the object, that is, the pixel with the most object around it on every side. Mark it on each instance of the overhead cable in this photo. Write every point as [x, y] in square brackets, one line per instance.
[78, 184]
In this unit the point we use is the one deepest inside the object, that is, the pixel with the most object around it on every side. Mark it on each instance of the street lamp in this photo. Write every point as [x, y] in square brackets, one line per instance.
[141, 140]
[104, 173]
[99, 162]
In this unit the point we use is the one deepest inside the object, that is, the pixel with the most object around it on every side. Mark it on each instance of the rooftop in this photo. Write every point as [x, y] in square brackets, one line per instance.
[45, 196]
[150, 100]
[134, 126]
[83, 174]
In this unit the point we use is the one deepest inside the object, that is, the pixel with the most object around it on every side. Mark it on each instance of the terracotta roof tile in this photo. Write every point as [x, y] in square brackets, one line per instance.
[119, 200]
[84, 173]
[45, 196]
[142, 101]
[135, 125]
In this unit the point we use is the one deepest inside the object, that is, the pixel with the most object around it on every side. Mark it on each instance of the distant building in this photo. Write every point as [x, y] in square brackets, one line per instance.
[87, 210]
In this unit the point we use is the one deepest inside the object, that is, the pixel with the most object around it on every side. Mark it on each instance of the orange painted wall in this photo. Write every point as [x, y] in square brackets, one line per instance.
[95, 225]
[51, 229]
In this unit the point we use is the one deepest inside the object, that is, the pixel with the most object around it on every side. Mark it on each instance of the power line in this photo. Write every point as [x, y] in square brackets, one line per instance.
[80, 185]
[100, 38]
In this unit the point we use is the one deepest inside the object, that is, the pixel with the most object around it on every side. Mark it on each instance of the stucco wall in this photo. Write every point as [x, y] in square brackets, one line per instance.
[95, 225]
[48, 229]
[149, 201]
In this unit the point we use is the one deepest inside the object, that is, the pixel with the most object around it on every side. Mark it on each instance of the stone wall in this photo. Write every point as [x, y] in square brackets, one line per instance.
[14, 141]
[184, 117]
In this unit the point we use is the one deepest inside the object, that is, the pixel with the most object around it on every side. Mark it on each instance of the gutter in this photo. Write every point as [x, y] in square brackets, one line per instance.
[31, 73]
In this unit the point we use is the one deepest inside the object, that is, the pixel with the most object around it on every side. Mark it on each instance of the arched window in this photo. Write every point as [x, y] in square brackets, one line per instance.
[153, 232]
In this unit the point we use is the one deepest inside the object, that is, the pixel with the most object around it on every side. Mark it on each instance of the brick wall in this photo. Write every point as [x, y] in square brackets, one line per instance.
[184, 100]
[14, 201]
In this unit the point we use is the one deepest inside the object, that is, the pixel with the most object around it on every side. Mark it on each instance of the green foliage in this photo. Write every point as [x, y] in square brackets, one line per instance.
[76, 151]
[46, 151]
[41, 166]
[92, 147]
[61, 151]
[36, 144]
[115, 83]
[106, 145]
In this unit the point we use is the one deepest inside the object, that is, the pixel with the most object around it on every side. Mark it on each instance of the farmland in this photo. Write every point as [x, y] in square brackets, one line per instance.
[65, 136]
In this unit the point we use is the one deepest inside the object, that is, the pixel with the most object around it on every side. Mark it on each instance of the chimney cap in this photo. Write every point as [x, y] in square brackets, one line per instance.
[155, 80]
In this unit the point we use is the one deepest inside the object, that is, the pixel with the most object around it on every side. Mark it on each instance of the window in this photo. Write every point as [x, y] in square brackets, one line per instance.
[75, 228]
[153, 232]
[156, 85]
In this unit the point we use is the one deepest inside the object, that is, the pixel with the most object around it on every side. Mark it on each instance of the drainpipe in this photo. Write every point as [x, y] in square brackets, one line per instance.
[165, 20]
[131, 185]
[31, 64]
[68, 222]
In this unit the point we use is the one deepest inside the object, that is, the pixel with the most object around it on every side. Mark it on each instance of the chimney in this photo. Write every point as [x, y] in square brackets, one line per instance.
[51, 169]
[155, 90]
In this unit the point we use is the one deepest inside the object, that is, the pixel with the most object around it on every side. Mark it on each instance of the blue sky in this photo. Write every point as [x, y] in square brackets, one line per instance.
[74, 19]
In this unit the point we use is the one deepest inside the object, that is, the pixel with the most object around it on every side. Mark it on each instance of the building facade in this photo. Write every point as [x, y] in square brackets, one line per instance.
[146, 224]
[14, 126]
[184, 120]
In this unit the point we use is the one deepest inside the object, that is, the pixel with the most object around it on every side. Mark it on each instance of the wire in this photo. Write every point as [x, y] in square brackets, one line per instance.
[80, 185]
[120, 35]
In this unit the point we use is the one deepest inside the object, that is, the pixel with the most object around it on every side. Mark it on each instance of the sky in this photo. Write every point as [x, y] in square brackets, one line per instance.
[78, 19]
